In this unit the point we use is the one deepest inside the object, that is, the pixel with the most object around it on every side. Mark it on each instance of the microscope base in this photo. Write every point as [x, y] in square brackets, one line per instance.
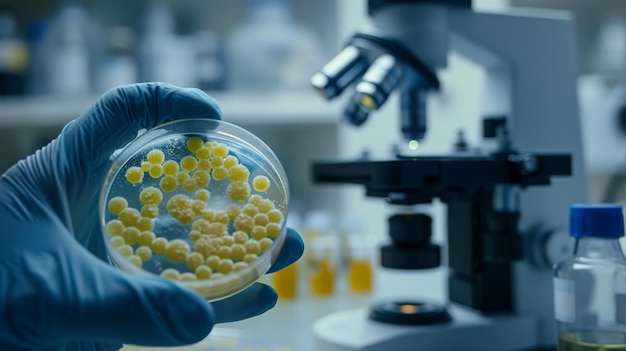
[352, 330]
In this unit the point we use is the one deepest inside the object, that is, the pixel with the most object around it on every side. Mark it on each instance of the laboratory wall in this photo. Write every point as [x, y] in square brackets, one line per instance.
[255, 57]
[601, 38]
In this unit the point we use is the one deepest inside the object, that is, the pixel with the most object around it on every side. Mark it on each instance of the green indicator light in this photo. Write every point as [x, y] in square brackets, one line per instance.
[413, 144]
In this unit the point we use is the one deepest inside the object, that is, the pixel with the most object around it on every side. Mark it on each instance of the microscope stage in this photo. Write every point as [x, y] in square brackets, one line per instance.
[420, 179]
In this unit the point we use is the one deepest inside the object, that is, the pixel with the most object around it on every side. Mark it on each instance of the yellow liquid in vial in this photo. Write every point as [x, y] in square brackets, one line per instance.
[322, 279]
[360, 275]
[285, 282]
[592, 341]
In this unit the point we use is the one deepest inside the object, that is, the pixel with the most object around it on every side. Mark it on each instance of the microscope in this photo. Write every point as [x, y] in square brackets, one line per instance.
[506, 207]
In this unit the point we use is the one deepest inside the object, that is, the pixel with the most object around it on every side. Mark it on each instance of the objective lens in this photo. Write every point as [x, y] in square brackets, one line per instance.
[413, 114]
[367, 102]
[339, 73]
[355, 114]
[378, 82]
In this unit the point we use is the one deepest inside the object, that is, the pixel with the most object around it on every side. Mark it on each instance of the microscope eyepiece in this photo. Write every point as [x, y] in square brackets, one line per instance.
[340, 72]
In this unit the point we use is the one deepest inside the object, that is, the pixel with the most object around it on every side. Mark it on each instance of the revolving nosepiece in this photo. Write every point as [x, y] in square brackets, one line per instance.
[339, 73]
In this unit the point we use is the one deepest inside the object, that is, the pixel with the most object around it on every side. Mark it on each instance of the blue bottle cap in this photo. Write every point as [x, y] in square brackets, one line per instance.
[596, 220]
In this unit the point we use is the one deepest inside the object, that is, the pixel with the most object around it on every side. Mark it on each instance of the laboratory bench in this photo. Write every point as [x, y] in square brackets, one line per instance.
[286, 327]
[289, 325]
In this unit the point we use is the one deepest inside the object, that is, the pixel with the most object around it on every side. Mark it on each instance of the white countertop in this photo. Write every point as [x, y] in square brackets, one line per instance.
[289, 325]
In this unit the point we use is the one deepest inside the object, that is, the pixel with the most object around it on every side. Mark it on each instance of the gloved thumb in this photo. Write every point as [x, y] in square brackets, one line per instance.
[70, 294]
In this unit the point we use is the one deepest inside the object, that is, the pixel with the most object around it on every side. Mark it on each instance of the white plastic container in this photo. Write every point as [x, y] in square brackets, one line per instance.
[270, 50]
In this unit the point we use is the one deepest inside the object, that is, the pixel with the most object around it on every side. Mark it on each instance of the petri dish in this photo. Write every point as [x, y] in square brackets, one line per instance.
[201, 202]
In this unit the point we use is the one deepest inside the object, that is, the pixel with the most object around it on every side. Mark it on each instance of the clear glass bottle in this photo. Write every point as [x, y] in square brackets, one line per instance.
[590, 286]
[270, 49]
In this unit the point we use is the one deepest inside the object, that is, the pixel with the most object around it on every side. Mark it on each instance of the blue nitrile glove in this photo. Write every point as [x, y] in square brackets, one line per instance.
[56, 291]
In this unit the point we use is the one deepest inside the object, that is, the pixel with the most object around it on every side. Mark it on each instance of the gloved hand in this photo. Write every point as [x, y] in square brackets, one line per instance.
[56, 291]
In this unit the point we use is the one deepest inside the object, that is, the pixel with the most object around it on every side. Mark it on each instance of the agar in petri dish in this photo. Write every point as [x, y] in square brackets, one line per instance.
[201, 202]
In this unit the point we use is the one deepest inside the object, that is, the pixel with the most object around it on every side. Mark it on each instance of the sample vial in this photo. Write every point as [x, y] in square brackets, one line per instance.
[321, 254]
[590, 286]
[360, 271]
[286, 281]
[322, 273]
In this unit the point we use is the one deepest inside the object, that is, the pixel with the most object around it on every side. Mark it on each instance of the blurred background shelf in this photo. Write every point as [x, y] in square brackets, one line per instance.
[298, 125]
[249, 108]
[75, 50]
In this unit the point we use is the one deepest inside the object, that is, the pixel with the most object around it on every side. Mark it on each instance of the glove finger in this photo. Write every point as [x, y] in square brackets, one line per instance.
[116, 118]
[292, 250]
[255, 300]
[155, 312]
[64, 292]
[144, 310]
[92, 346]
[259, 298]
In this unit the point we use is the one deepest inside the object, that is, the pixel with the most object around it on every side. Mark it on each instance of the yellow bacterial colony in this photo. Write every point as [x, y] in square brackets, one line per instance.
[134, 175]
[261, 183]
[117, 205]
[218, 241]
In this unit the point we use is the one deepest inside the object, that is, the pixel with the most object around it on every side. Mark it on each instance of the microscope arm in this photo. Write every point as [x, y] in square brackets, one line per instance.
[539, 61]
